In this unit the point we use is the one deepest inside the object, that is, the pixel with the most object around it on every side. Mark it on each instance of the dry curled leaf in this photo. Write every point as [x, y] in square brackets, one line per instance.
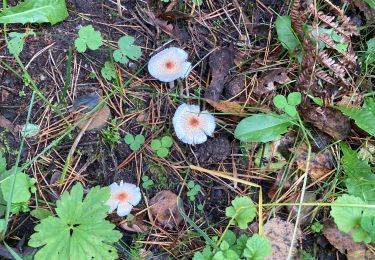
[320, 163]
[100, 118]
[267, 82]
[280, 233]
[340, 240]
[135, 225]
[306, 212]
[221, 60]
[163, 208]
[234, 108]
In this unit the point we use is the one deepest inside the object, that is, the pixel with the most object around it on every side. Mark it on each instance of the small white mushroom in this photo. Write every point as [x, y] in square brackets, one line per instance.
[191, 125]
[123, 198]
[169, 65]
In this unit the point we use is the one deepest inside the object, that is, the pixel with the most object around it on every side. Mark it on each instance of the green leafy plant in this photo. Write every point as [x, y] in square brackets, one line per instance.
[17, 41]
[194, 189]
[36, 11]
[111, 134]
[30, 130]
[286, 36]
[147, 182]
[79, 231]
[262, 127]
[350, 221]
[257, 247]
[134, 142]
[88, 38]
[197, 2]
[365, 117]
[288, 104]
[242, 211]
[316, 227]
[126, 50]
[371, 3]
[369, 55]
[161, 146]
[108, 71]
[23, 187]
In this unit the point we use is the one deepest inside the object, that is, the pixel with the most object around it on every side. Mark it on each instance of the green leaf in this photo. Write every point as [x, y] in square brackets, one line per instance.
[291, 110]
[108, 71]
[371, 3]
[3, 164]
[2, 224]
[140, 139]
[346, 219]
[126, 50]
[135, 146]
[280, 101]
[80, 231]
[30, 130]
[166, 141]
[294, 98]
[360, 179]
[368, 223]
[36, 11]
[206, 254]
[230, 237]
[285, 34]
[40, 213]
[21, 191]
[365, 117]
[155, 144]
[257, 248]
[370, 52]
[88, 37]
[242, 211]
[262, 128]
[17, 41]
[162, 152]
[129, 139]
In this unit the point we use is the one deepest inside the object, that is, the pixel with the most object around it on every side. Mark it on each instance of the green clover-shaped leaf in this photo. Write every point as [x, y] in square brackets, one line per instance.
[294, 98]
[280, 101]
[290, 110]
[166, 141]
[140, 139]
[88, 38]
[155, 144]
[108, 71]
[162, 152]
[242, 211]
[126, 50]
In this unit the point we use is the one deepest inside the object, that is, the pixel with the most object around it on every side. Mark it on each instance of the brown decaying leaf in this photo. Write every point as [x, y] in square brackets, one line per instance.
[267, 81]
[365, 8]
[280, 233]
[350, 101]
[234, 108]
[306, 212]
[174, 15]
[100, 119]
[320, 163]
[340, 240]
[221, 60]
[328, 120]
[163, 208]
[135, 225]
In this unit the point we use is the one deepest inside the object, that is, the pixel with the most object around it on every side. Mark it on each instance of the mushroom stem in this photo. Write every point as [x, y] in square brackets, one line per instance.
[171, 85]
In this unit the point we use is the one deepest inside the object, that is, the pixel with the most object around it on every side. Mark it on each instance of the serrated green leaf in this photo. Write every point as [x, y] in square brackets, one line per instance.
[30, 130]
[3, 164]
[88, 37]
[368, 223]
[262, 128]
[257, 248]
[344, 219]
[80, 231]
[108, 71]
[242, 211]
[280, 101]
[206, 254]
[36, 11]
[126, 50]
[17, 41]
[365, 117]
[21, 191]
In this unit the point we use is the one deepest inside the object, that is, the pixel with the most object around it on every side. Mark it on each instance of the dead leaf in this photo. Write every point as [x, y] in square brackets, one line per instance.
[320, 163]
[163, 208]
[221, 61]
[135, 225]
[234, 108]
[306, 212]
[266, 83]
[174, 16]
[234, 89]
[361, 254]
[280, 233]
[328, 120]
[340, 240]
[350, 101]
[100, 119]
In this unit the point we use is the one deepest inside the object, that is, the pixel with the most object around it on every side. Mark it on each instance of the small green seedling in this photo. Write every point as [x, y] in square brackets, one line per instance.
[316, 227]
[134, 142]
[161, 146]
[194, 189]
[288, 105]
[147, 182]
[126, 50]
[30, 130]
[88, 38]
[108, 71]
[111, 134]
[17, 41]
[197, 2]
[242, 211]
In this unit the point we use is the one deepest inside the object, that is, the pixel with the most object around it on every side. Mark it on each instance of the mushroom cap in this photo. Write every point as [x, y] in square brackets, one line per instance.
[123, 198]
[191, 125]
[169, 64]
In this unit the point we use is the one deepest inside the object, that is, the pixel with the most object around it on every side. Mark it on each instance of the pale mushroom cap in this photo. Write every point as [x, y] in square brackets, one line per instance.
[123, 198]
[191, 125]
[169, 64]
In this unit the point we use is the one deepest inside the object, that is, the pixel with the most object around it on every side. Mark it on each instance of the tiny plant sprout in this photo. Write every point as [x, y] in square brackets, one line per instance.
[191, 125]
[169, 65]
[123, 198]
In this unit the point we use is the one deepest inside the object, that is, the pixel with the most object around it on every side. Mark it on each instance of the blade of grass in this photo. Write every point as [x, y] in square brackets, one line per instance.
[68, 75]
[12, 252]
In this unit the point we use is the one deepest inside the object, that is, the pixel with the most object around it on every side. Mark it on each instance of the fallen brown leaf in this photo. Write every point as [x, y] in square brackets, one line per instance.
[163, 208]
[234, 108]
[280, 233]
[135, 225]
[100, 118]
[306, 212]
[267, 81]
[5, 123]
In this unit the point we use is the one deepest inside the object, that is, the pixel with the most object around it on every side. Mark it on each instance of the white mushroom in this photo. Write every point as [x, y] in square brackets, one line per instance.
[123, 198]
[191, 125]
[169, 65]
